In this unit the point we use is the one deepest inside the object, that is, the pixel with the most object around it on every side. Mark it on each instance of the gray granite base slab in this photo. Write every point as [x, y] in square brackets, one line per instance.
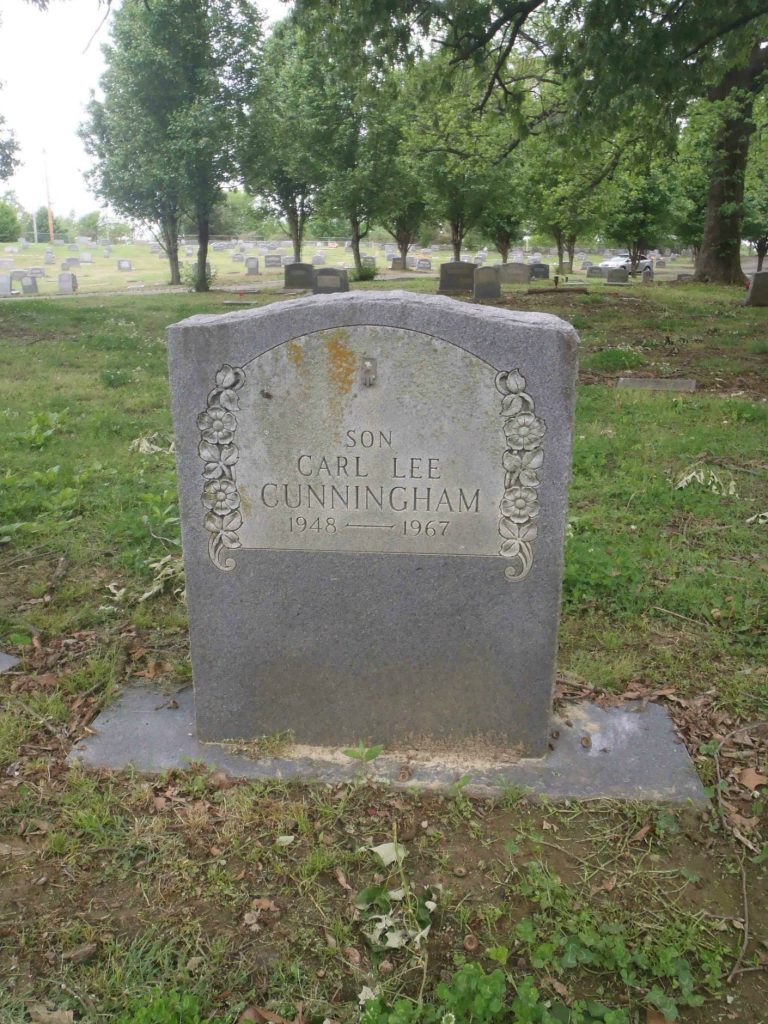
[7, 662]
[626, 753]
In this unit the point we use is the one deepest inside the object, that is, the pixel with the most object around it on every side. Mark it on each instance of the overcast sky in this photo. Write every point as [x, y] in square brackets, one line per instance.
[47, 70]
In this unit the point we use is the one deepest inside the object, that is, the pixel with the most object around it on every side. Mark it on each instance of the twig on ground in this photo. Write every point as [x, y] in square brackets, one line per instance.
[745, 938]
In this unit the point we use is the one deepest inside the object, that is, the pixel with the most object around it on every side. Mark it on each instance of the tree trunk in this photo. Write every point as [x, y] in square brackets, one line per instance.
[203, 234]
[570, 245]
[559, 238]
[761, 246]
[403, 245]
[503, 240]
[354, 225]
[294, 229]
[170, 232]
[457, 237]
[719, 256]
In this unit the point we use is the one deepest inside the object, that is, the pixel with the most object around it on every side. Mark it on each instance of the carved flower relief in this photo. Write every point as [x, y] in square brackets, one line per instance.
[217, 425]
[519, 504]
[515, 536]
[217, 459]
[510, 382]
[524, 431]
[521, 467]
[221, 497]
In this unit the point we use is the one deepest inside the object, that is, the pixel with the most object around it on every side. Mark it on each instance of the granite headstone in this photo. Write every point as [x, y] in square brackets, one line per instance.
[299, 275]
[330, 279]
[373, 507]
[758, 289]
[456, 277]
[486, 284]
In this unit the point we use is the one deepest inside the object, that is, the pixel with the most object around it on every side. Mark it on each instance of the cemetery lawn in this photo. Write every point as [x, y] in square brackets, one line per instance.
[118, 887]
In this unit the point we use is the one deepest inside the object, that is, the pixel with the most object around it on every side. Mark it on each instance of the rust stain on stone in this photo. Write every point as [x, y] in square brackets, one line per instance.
[341, 363]
[296, 354]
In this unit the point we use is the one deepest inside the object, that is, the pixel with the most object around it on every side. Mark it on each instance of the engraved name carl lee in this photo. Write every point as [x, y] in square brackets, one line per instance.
[369, 488]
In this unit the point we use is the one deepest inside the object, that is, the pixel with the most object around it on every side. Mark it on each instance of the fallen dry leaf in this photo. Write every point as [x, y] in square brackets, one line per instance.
[353, 955]
[640, 835]
[265, 903]
[39, 1014]
[221, 780]
[655, 1017]
[607, 885]
[81, 954]
[341, 878]
[255, 1013]
[752, 779]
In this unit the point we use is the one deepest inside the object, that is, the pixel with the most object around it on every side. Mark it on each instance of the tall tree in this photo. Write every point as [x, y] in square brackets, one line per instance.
[756, 186]
[279, 152]
[635, 212]
[175, 88]
[612, 53]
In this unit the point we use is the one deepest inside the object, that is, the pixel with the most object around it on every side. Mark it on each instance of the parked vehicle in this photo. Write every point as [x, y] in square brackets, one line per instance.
[624, 261]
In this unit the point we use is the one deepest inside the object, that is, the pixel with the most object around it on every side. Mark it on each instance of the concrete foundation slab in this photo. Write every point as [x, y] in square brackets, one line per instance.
[626, 753]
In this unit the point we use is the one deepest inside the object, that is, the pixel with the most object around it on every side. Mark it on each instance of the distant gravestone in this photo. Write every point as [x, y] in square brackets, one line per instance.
[36, 272]
[318, 260]
[189, 252]
[5, 284]
[252, 265]
[616, 275]
[586, 264]
[657, 383]
[596, 272]
[410, 262]
[16, 275]
[539, 271]
[71, 261]
[486, 283]
[124, 265]
[423, 264]
[29, 285]
[660, 264]
[86, 257]
[273, 261]
[647, 276]
[396, 263]
[514, 273]
[298, 275]
[329, 280]
[456, 278]
[685, 278]
[349, 532]
[49, 259]
[758, 289]
[67, 283]
[237, 257]
[368, 261]
[72, 247]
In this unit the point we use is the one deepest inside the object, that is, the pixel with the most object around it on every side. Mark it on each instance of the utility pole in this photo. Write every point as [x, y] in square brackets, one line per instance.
[48, 200]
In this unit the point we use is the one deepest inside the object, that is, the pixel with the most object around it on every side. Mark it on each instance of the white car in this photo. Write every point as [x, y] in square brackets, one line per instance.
[624, 262]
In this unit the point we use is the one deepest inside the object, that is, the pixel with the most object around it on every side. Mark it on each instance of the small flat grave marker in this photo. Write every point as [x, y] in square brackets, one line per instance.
[657, 383]
[124, 265]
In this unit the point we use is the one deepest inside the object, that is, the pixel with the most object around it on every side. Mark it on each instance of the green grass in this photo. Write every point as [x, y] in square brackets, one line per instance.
[665, 588]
